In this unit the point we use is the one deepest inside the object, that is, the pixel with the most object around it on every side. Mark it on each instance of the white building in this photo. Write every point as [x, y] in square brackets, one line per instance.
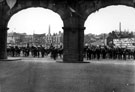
[10, 39]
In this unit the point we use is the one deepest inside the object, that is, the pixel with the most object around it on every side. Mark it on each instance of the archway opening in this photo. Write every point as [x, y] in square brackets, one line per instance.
[118, 19]
[35, 26]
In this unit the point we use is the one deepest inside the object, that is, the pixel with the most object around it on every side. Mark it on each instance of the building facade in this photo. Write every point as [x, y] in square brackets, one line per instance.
[46, 40]
[55, 39]
[10, 39]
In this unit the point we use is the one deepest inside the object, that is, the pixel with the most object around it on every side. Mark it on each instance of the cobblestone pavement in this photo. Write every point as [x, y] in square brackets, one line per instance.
[45, 75]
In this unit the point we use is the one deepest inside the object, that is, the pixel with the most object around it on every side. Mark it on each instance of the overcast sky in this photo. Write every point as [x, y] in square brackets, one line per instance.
[37, 20]
[107, 19]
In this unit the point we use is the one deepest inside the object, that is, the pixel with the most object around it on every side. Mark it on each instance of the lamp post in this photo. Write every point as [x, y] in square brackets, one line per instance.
[104, 39]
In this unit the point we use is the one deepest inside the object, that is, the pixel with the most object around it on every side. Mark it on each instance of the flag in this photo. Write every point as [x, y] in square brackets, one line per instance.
[11, 3]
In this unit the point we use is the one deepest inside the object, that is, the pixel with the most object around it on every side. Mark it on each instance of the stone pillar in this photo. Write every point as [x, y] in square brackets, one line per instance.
[73, 38]
[3, 42]
[73, 44]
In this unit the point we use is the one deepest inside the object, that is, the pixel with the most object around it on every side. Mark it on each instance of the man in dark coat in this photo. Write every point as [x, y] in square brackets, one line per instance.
[98, 52]
[42, 50]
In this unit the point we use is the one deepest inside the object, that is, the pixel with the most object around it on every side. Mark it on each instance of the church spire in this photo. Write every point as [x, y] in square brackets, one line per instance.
[120, 26]
[49, 30]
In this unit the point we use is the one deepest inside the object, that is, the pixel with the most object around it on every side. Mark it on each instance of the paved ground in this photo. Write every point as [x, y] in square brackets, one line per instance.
[45, 75]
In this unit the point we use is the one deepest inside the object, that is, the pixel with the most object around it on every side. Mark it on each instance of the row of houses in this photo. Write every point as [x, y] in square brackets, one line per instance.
[103, 39]
[22, 39]
[56, 39]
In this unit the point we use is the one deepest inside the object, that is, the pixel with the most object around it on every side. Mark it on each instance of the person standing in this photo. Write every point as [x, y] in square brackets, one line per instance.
[38, 51]
[42, 50]
[98, 52]
[124, 54]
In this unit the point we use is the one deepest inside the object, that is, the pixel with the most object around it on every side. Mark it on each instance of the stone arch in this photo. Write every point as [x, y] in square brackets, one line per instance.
[73, 15]
[68, 17]
[97, 14]
[59, 9]
[6, 13]
[95, 5]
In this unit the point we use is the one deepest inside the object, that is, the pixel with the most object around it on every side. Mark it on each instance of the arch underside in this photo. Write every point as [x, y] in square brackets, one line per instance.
[82, 7]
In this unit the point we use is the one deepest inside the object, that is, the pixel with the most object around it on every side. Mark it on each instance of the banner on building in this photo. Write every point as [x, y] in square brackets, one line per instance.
[125, 42]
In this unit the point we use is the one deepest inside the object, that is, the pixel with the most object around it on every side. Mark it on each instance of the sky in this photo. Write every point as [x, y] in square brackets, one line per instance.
[105, 20]
[35, 20]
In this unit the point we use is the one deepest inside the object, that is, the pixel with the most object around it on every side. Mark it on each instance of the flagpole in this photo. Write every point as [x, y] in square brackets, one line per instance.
[120, 34]
[33, 38]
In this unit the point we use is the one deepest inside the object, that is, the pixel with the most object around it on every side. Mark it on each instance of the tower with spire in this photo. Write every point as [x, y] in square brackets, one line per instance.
[49, 30]
[120, 34]
[49, 36]
[120, 27]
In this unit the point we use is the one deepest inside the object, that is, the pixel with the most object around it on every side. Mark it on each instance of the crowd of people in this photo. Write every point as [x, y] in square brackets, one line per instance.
[35, 51]
[104, 52]
[90, 52]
